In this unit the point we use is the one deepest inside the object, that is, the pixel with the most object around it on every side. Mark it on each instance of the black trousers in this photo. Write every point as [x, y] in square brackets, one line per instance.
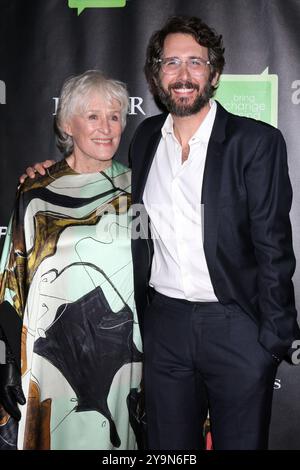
[201, 356]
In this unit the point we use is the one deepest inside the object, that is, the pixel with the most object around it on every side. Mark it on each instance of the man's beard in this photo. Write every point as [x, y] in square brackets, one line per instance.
[180, 108]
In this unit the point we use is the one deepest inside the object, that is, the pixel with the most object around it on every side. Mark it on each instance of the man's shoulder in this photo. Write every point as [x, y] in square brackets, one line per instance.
[247, 125]
[152, 124]
[147, 131]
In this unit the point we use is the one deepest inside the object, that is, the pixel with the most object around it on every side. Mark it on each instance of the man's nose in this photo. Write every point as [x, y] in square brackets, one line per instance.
[184, 71]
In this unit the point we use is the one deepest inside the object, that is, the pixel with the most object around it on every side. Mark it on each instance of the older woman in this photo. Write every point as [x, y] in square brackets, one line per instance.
[66, 272]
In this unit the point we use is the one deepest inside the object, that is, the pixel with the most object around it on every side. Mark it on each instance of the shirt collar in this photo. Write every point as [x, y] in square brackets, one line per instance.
[167, 128]
[204, 130]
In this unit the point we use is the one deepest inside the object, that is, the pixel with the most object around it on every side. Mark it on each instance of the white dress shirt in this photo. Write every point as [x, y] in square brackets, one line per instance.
[172, 198]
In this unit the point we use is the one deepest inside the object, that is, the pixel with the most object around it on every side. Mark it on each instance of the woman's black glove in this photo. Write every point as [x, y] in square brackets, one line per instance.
[11, 392]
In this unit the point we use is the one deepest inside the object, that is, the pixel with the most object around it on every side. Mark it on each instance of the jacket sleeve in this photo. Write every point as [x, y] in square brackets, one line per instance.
[269, 199]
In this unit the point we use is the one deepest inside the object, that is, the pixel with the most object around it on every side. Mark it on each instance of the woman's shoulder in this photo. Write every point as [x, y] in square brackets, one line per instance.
[121, 175]
[119, 167]
[55, 171]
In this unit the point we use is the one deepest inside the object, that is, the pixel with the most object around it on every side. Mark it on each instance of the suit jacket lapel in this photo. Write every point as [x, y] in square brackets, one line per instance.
[146, 162]
[211, 187]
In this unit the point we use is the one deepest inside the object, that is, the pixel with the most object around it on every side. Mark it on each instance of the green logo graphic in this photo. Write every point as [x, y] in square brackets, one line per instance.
[82, 4]
[254, 96]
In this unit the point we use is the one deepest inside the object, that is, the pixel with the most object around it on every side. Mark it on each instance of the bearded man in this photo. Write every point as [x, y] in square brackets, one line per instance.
[213, 279]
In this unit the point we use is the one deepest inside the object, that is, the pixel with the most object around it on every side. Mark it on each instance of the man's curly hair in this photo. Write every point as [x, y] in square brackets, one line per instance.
[195, 27]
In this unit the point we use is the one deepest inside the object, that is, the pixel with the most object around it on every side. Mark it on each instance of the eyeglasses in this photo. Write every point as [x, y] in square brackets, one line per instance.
[171, 65]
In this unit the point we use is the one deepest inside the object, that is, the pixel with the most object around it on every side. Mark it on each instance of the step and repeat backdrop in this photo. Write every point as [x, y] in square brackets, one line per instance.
[42, 42]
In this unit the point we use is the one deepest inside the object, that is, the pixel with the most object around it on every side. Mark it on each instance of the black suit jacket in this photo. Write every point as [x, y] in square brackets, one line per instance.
[247, 233]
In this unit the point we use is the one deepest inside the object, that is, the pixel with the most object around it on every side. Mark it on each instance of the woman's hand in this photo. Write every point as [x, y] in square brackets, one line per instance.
[11, 392]
[36, 168]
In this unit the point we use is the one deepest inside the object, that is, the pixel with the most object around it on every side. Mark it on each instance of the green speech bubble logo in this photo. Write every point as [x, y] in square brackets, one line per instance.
[82, 4]
[254, 96]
